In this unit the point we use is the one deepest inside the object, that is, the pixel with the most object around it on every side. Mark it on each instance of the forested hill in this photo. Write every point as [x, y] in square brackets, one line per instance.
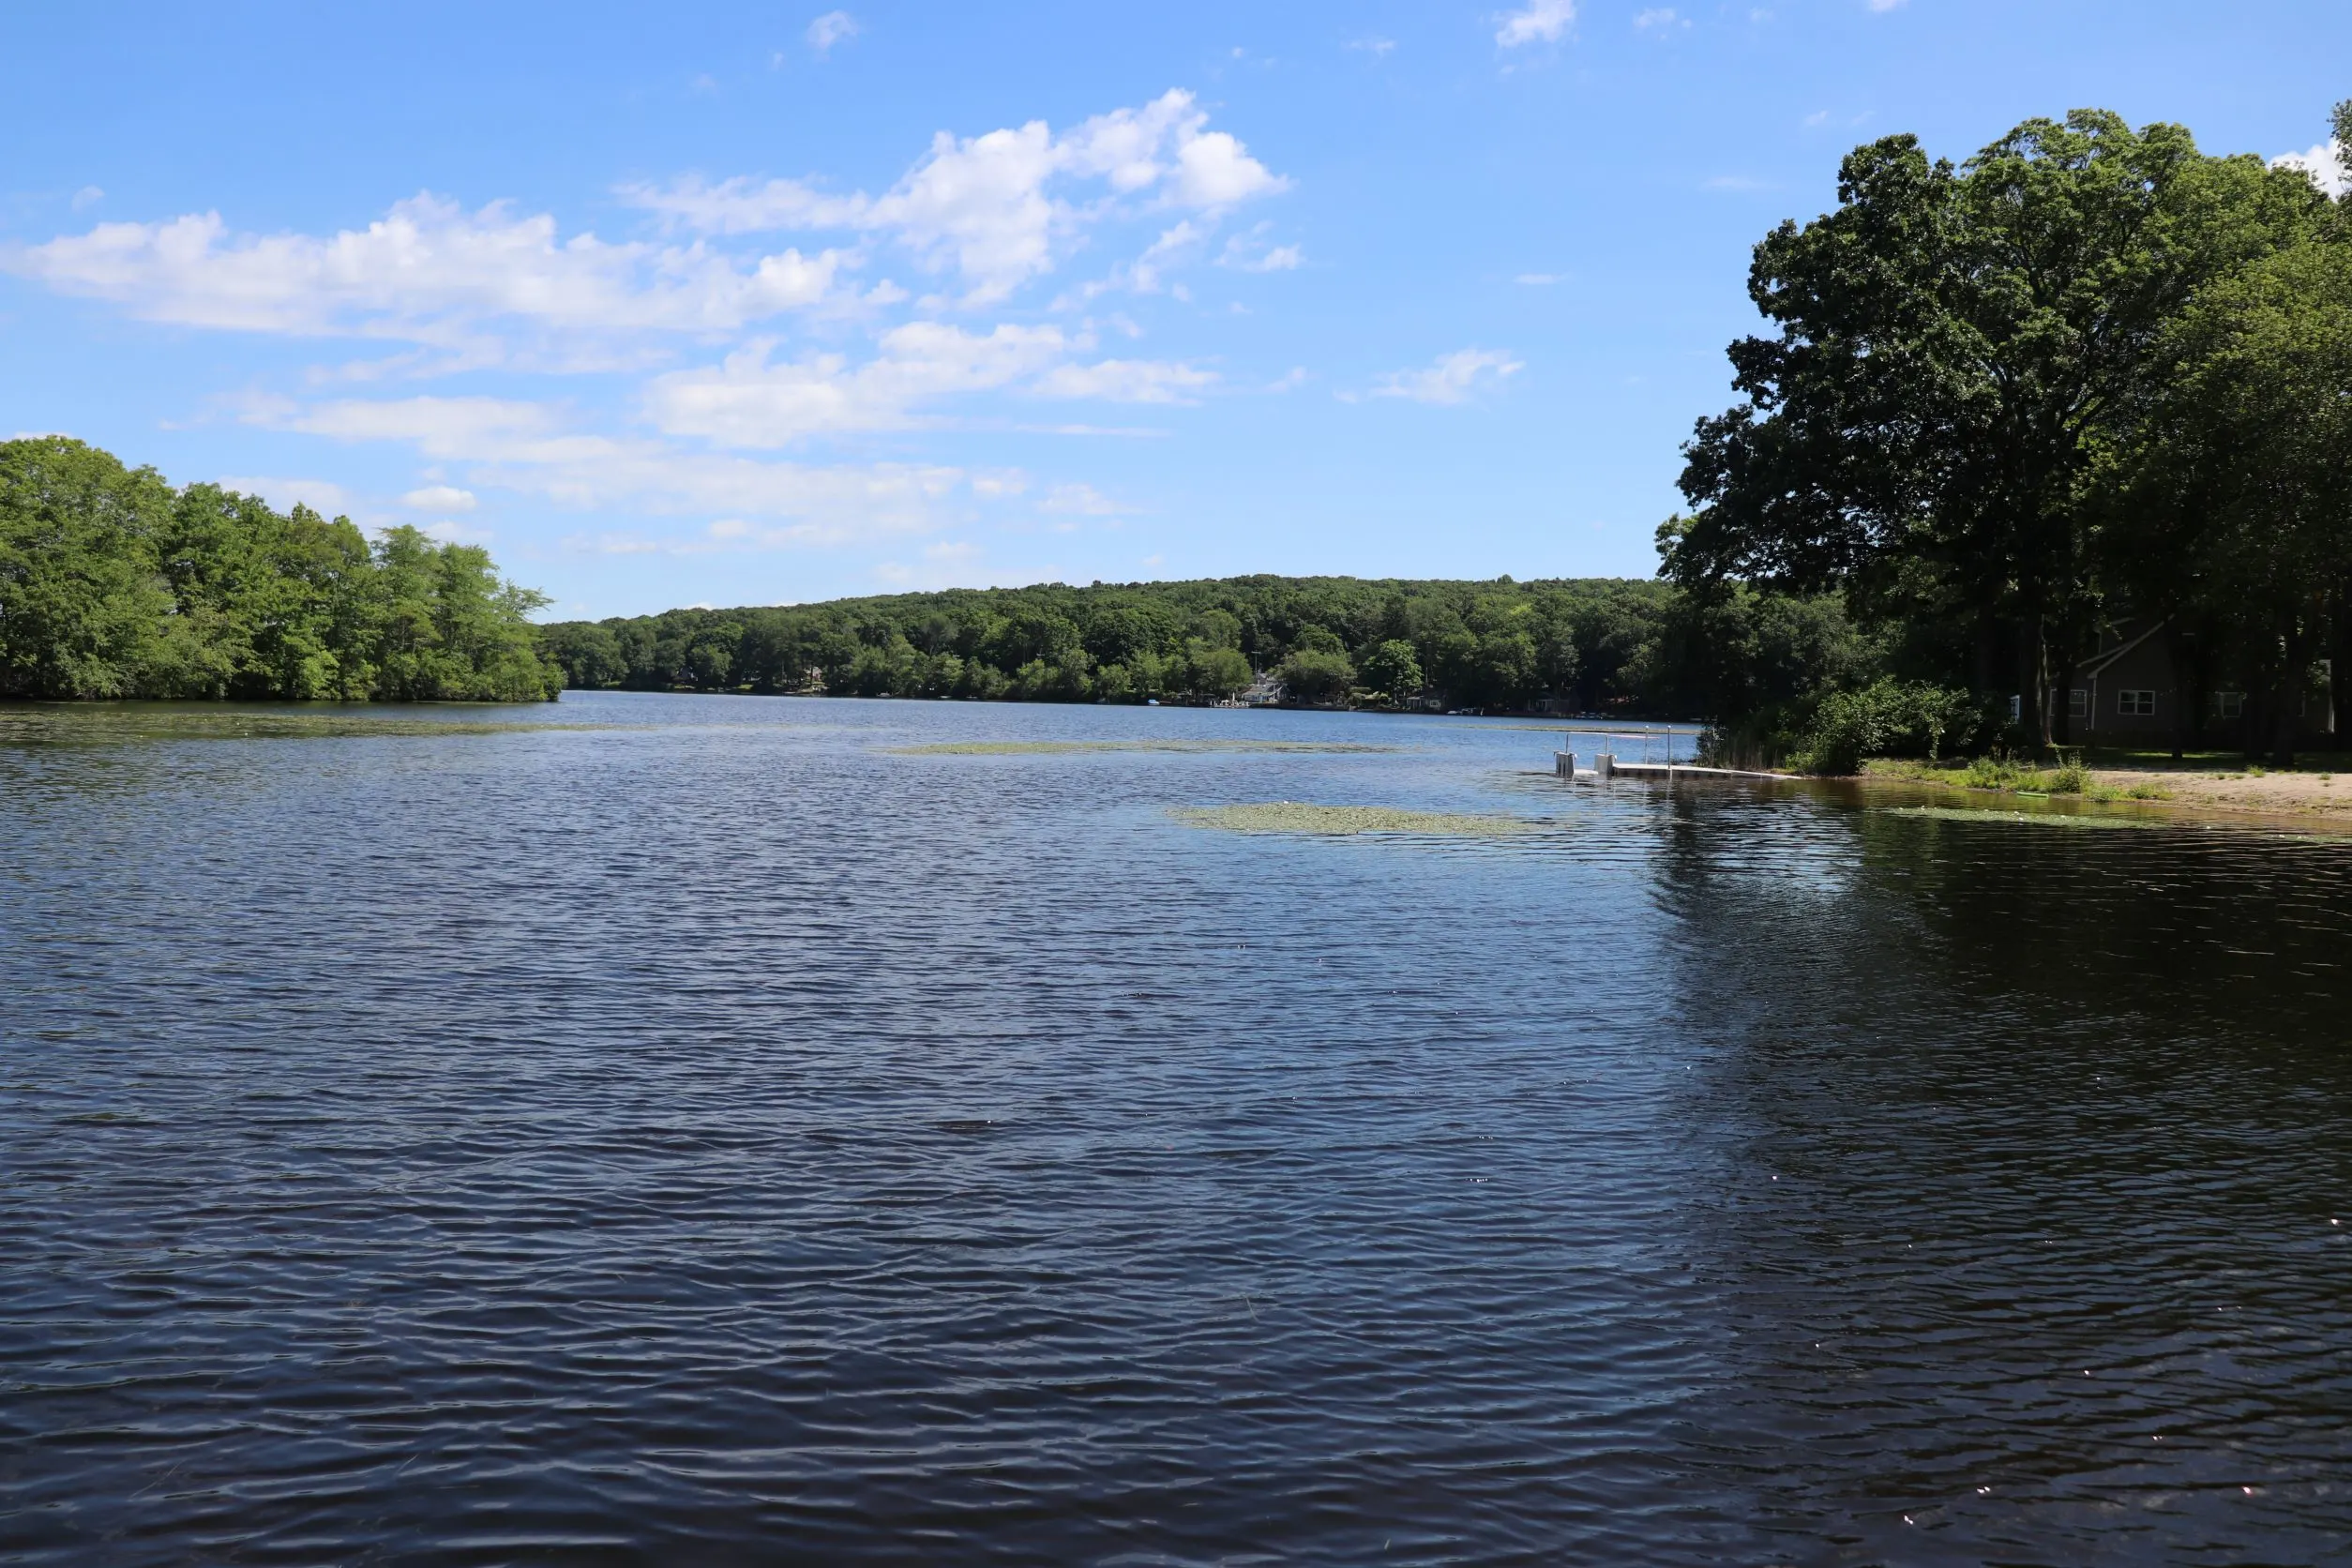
[114, 583]
[1593, 644]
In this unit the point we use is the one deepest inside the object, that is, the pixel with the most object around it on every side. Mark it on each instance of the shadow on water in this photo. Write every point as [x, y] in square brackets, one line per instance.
[2034, 1147]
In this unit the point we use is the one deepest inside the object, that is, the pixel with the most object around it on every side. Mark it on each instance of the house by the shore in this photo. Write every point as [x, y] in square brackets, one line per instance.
[2128, 693]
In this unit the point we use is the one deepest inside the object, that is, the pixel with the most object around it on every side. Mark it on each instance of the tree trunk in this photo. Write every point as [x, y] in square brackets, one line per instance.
[2062, 698]
[2288, 702]
[2036, 659]
[2183, 693]
[2339, 667]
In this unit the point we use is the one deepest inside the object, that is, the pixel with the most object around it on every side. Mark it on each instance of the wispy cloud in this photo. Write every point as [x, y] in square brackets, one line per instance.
[532, 450]
[1128, 381]
[320, 495]
[1255, 252]
[1080, 501]
[834, 27]
[1450, 378]
[439, 498]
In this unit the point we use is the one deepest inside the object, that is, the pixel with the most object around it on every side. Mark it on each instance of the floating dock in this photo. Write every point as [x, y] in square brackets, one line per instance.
[1607, 765]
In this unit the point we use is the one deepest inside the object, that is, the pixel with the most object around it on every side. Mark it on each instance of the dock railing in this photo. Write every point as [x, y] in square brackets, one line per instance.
[1664, 754]
[1669, 744]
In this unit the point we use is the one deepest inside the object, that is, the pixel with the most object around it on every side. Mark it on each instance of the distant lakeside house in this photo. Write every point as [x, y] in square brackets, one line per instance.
[2136, 690]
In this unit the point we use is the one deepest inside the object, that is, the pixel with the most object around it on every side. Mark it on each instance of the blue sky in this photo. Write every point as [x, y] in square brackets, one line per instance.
[728, 305]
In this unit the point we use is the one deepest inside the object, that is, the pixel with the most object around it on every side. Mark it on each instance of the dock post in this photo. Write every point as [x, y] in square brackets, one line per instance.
[1604, 765]
[1565, 763]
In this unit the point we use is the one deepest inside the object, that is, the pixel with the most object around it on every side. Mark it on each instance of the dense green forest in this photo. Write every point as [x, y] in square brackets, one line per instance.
[112, 583]
[1595, 644]
[2092, 373]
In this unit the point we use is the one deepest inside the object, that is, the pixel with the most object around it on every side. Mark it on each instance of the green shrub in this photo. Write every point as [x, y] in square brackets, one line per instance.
[1888, 718]
[1992, 772]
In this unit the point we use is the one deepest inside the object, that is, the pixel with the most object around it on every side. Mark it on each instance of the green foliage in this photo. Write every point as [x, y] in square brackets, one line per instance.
[1992, 772]
[1885, 719]
[112, 584]
[1962, 358]
[1394, 669]
[1317, 675]
[2069, 777]
[1497, 644]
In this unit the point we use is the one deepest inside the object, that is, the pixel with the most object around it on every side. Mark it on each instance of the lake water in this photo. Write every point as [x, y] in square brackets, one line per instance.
[719, 1137]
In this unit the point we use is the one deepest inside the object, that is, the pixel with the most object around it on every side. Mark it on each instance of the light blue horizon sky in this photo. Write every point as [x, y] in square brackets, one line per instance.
[740, 305]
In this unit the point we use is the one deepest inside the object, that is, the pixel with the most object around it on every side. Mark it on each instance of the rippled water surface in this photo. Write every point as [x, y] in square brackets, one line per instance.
[716, 1130]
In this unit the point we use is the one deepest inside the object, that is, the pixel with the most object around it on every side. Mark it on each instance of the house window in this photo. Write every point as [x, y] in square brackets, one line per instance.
[2078, 704]
[2016, 707]
[2135, 704]
[2229, 704]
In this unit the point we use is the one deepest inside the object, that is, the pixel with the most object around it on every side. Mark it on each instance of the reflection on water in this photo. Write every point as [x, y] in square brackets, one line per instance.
[2035, 1154]
[718, 1134]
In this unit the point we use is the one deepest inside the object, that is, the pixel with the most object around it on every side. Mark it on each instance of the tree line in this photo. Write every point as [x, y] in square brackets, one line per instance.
[114, 583]
[2091, 374]
[1605, 645]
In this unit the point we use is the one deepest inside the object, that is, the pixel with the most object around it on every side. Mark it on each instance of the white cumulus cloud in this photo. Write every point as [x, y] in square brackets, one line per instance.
[1451, 378]
[2323, 163]
[427, 271]
[1541, 22]
[992, 208]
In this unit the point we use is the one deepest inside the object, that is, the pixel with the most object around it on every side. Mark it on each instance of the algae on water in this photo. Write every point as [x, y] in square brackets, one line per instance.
[1047, 748]
[2040, 818]
[1290, 816]
[86, 724]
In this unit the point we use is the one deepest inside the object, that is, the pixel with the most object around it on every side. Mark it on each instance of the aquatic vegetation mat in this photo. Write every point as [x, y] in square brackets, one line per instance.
[1049, 748]
[1290, 816]
[83, 726]
[2038, 818]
